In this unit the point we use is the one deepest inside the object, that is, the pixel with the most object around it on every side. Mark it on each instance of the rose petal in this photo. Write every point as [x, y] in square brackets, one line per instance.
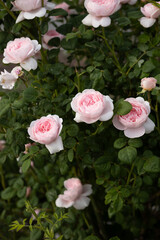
[81, 203]
[149, 125]
[20, 17]
[87, 20]
[62, 202]
[55, 146]
[147, 22]
[96, 22]
[134, 132]
[105, 21]
[87, 190]
[50, 6]
[29, 64]
[132, 2]
[117, 124]
[40, 12]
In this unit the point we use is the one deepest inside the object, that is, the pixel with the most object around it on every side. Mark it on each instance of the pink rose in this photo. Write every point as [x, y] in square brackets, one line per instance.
[8, 80]
[91, 105]
[148, 83]
[46, 131]
[48, 36]
[136, 123]
[75, 195]
[31, 8]
[22, 50]
[99, 12]
[150, 12]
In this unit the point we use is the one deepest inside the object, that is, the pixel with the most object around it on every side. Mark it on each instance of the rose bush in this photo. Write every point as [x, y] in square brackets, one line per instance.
[92, 64]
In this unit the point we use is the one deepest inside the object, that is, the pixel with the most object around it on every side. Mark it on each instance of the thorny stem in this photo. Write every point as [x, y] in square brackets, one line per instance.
[135, 63]
[2, 177]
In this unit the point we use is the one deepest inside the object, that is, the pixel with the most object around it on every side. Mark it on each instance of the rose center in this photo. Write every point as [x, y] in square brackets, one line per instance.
[44, 127]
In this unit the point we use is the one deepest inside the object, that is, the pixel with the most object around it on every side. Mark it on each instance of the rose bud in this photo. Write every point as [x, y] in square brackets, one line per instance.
[148, 83]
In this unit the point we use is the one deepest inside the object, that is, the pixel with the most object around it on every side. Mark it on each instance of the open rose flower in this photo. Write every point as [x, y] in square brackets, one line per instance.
[148, 83]
[21, 51]
[91, 105]
[48, 36]
[8, 80]
[31, 8]
[46, 131]
[75, 195]
[150, 12]
[136, 123]
[99, 12]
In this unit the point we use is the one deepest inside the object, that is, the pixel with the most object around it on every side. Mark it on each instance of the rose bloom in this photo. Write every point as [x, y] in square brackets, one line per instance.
[99, 12]
[8, 80]
[136, 123]
[46, 131]
[91, 105]
[48, 36]
[22, 50]
[31, 8]
[148, 83]
[75, 195]
[150, 12]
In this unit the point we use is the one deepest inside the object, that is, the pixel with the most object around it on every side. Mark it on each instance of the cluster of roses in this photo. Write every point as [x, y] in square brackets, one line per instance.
[90, 105]
[100, 10]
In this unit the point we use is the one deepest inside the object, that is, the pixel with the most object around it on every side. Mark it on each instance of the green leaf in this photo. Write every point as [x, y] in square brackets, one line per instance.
[30, 94]
[123, 21]
[92, 238]
[148, 66]
[114, 238]
[70, 155]
[136, 142]
[4, 106]
[8, 193]
[118, 204]
[54, 42]
[122, 107]
[44, 27]
[73, 130]
[120, 142]
[26, 164]
[70, 142]
[127, 155]
[152, 165]
[65, 28]
[70, 44]
[58, 12]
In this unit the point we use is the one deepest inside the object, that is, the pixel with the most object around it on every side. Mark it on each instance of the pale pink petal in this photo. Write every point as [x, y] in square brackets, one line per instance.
[78, 118]
[37, 46]
[87, 20]
[87, 190]
[62, 202]
[96, 21]
[20, 17]
[29, 64]
[105, 21]
[117, 124]
[147, 22]
[149, 125]
[134, 132]
[55, 146]
[81, 203]
[40, 12]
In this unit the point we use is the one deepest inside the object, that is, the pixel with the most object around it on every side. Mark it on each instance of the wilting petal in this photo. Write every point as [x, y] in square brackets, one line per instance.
[81, 203]
[134, 132]
[147, 22]
[149, 125]
[55, 146]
